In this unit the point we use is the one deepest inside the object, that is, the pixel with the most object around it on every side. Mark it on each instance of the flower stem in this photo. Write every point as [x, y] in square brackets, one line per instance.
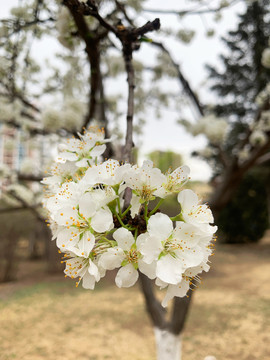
[136, 234]
[126, 211]
[145, 213]
[156, 207]
[119, 207]
[121, 222]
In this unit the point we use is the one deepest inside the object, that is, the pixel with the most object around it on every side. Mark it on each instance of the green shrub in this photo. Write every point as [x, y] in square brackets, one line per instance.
[245, 218]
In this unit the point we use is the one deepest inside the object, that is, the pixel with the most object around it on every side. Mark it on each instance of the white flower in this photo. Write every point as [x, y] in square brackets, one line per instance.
[194, 213]
[266, 58]
[84, 151]
[174, 250]
[83, 267]
[67, 195]
[144, 181]
[178, 290]
[87, 213]
[60, 173]
[127, 255]
[174, 181]
[109, 172]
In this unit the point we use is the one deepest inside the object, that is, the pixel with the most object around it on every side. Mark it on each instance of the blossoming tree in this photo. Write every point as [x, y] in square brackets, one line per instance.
[102, 212]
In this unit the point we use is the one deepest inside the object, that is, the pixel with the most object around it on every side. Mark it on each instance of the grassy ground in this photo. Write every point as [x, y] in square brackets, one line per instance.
[44, 317]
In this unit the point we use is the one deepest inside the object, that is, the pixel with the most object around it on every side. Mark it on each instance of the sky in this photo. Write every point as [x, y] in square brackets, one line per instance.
[165, 133]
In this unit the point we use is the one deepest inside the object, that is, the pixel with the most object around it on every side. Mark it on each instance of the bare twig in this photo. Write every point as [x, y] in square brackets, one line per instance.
[190, 11]
[182, 79]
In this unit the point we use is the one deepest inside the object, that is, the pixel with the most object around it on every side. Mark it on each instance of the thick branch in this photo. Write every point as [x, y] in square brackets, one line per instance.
[89, 8]
[156, 311]
[23, 177]
[92, 41]
[103, 117]
[16, 208]
[17, 95]
[130, 110]
[179, 313]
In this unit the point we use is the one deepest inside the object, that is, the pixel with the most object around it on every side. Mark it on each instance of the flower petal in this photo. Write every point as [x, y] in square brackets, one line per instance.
[126, 276]
[93, 270]
[147, 269]
[141, 239]
[102, 221]
[169, 269]
[135, 205]
[112, 258]
[87, 205]
[160, 226]
[151, 249]
[187, 199]
[192, 257]
[178, 290]
[124, 238]
[88, 281]
[66, 238]
[86, 243]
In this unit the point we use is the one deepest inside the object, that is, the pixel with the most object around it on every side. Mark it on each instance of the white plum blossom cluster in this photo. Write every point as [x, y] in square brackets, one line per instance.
[215, 129]
[97, 231]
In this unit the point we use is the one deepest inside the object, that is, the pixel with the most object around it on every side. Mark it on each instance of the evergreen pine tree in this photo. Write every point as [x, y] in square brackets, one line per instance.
[243, 76]
[237, 85]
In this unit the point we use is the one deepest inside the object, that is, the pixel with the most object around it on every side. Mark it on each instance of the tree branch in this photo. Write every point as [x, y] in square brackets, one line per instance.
[190, 11]
[154, 308]
[27, 206]
[182, 79]
[88, 9]
[179, 313]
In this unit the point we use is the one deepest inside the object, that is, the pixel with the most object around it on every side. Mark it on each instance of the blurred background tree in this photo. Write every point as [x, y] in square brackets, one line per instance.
[165, 159]
[242, 78]
[238, 126]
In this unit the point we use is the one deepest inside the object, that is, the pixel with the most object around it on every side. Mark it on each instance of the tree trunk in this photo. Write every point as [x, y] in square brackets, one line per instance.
[167, 332]
[168, 345]
[8, 256]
